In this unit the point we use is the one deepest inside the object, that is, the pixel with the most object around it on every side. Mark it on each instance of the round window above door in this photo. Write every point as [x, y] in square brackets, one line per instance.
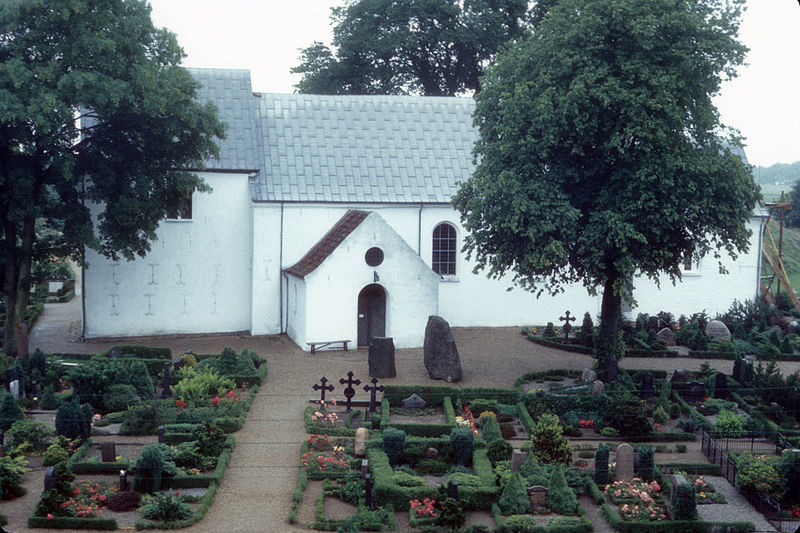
[374, 256]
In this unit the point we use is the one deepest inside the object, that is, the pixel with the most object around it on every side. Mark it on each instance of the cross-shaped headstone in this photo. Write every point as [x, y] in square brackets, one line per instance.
[349, 392]
[323, 386]
[373, 390]
[567, 327]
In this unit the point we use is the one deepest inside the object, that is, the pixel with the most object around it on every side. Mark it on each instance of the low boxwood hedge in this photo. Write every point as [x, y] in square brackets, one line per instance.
[696, 469]
[420, 430]
[71, 522]
[434, 394]
[144, 352]
[671, 526]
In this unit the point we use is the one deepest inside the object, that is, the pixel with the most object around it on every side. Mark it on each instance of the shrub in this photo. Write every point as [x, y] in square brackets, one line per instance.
[680, 448]
[35, 433]
[10, 412]
[200, 383]
[499, 450]
[759, 472]
[490, 430]
[74, 421]
[393, 443]
[451, 514]
[730, 424]
[530, 466]
[549, 331]
[210, 439]
[514, 499]
[560, 498]
[547, 442]
[118, 397]
[660, 416]
[48, 401]
[646, 463]
[54, 454]
[11, 472]
[601, 464]
[165, 508]
[122, 502]
[145, 417]
[462, 441]
[148, 468]
[674, 411]
[685, 505]
[625, 414]
[715, 405]
[609, 432]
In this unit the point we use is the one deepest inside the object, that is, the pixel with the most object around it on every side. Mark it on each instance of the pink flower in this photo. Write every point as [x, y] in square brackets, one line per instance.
[49, 516]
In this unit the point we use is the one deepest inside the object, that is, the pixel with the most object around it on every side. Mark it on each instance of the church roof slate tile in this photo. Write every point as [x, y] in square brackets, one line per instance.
[325, 247]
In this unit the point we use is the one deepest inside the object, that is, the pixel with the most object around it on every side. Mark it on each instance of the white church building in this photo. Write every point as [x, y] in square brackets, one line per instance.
[329, 219]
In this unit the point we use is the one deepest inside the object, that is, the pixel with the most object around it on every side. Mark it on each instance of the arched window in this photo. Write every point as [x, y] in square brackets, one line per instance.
[444, 250]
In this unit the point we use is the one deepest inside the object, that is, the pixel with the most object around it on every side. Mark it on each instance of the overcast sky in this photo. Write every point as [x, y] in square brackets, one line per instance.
[264, 36]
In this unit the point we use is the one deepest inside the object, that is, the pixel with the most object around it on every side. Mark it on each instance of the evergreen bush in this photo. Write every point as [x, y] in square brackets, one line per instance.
[393, 443]
[560, 498]
[548, 443]
[601, 464]
[549, 331]
[148, 469]
[10, 412]
[462, 442]
[674, 411]
[647, 463]
[72, 421]
[514, 499]
[730, 424]
[499, 450]
[48, 401]
[490, 431]
[451, 514]
[660, 416]
[118, 397]
[530, 466]
[685, 505]
[34, 433]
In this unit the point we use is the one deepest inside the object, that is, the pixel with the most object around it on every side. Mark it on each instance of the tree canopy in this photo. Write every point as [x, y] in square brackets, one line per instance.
[94, 108]
[601, 156]
[429, 47]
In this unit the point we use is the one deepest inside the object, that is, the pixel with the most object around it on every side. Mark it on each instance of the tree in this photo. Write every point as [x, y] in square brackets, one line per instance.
[430, 47]
[95, 110]
[601, 156]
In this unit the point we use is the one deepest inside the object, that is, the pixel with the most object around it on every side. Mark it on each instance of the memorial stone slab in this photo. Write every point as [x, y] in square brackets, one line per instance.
[695, 391]
[716, 330]
[518, 458]
[108, 452]
[653, 323]
[13, 388]
[666, 336]
[360, 442]
[538, 497]
[440, 352]
[381, 358]
[721, 386]
[624, 459]
[414, 402]
[49, 478]
[680, 375]
[588, 375]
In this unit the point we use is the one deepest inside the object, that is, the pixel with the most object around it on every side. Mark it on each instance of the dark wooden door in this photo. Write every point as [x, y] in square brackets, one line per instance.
[371, 314]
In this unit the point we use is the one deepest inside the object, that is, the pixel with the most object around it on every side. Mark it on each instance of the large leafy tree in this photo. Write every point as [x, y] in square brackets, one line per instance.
[601, 156]
[430, 47]
[94, 108]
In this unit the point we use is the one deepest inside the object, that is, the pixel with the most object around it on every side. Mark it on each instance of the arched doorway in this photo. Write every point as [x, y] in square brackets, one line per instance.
[371, 314]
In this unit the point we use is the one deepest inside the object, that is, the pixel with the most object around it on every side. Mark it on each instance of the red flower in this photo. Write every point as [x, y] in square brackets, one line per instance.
[215, 401]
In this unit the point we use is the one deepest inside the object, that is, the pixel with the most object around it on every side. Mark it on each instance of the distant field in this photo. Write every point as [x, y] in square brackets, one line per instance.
[772, 193]
[791, 254]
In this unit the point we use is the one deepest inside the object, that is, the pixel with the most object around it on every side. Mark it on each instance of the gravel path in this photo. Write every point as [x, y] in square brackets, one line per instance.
[255, 493]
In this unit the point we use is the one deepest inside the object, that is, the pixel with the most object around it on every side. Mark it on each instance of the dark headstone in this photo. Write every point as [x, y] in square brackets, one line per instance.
[373, 390]
[9, 377]
[653, 323]
[414, 402]
[680, 376]
[452, 489]
[161, 432]
[349, 391]
[441, 354]
[648, 390]
[108, 452]
[123, 480]
[115, 352]
[165, 384]
[49, 478]
[2, 438]
[743, 371]
[694, 391]
[721, 386]
[381, 358]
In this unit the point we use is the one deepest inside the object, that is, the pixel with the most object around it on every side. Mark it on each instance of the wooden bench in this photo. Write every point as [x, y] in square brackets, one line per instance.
[323, 344]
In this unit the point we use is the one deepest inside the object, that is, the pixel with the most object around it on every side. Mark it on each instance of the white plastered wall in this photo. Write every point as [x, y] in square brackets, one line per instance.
[196, 278]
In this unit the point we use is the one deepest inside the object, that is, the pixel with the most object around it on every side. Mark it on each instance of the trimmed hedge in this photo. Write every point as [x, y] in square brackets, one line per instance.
[671, 526]
[696, 469]
[698, 354]
[205, 503]
[574, 348]
[525, 417]
[144, 352]
[434, 394]
[420, 430]
[71, 522]
[543, 374]
[98, 468]
[205, 480]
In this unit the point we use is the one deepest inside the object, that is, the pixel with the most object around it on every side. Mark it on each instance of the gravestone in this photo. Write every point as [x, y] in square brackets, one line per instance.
[588, 375]
[414, 402]
[676, 479]
[123, 480]
[441, 355]
[653, 323]
[567, 327]
[13, 388]
[695, 391]
[624, 459]
[431, 453]
[360, 443]
[538, 497]
[115, 352]
[518, 457]
[108, 452]
[161, 433]
[349, 391]
[323, 387]
[452, 489]
[648, 390]
[598, 388]
[166, 393]
[721, 386]
[743, 371]
[680, 376]
[9, 377]
[666, 336]
[22, 339]
[373, 389]
[49, 478]
[381, 358]
[716, 330]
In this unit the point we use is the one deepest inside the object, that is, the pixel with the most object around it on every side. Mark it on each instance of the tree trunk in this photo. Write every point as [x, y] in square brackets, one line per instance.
[10, 288]
[608, 340]
[25, 259]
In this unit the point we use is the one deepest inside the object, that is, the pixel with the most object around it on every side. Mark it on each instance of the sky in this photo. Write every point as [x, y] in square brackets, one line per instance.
[265, 36]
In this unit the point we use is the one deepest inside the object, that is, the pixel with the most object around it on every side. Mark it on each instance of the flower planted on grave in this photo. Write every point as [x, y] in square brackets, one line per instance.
[326, 464]
[323, 416]
[422, 513]
[637, 499]
[319, 443]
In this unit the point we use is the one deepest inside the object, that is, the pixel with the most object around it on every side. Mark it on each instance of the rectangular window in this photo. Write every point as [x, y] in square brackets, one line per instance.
[179, 207]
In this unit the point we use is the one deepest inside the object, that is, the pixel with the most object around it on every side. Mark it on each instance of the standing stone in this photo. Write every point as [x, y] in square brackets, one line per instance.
[721, 386]
[598, 388]
[13, 388]
[360, 444]
[716, 330]
[115, 352]
[22, 339]
[381, 358]
[588, 375]
[666, 336]
[517, 459]
[441, 354]
[108, 452]
[413, 402]
[624, 469]
[648, 390]
[49, 478]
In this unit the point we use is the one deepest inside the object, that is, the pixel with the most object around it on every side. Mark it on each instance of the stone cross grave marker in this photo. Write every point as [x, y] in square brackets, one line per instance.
[624, 470]
[721, 386]
[567, 327]
[166, 393]
[373, 390]
[414, 402]
[538, 497]
[322, 386]
[108, 452]
[648, 390]
[349, 392]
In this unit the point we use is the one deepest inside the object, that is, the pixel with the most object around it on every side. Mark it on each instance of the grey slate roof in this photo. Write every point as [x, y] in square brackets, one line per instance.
[316, 148]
